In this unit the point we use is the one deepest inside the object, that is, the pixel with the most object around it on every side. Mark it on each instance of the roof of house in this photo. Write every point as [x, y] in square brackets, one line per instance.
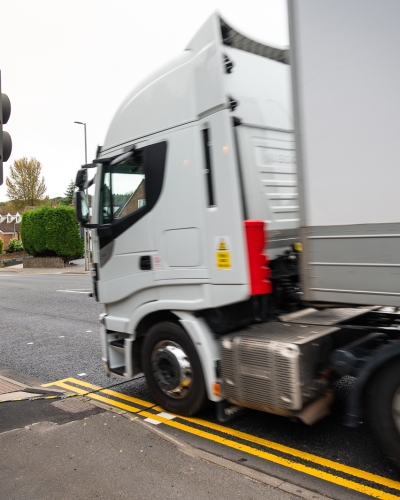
[10, 227]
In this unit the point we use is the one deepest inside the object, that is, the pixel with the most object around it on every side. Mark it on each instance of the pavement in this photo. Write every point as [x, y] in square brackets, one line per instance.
[75, 448]
[76, 267]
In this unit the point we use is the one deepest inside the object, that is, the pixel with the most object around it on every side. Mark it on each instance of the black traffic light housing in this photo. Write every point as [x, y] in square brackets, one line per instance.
[5, 138]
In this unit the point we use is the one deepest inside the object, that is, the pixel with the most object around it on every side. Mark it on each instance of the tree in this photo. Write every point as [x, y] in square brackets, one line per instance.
[69, 193]
[24, 185]
[6, 206]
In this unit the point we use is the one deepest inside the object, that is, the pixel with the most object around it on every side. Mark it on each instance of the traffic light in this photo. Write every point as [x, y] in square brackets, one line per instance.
[5, 138]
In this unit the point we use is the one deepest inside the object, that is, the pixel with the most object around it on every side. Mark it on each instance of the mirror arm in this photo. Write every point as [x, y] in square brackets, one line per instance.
[90, 165]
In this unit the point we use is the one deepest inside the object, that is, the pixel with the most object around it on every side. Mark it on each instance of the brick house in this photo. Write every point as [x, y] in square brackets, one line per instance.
[10, 227]
[137, 200]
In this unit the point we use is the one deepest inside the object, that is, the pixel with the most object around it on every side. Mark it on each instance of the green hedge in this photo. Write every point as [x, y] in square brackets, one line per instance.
[48, 232]
[1, 246]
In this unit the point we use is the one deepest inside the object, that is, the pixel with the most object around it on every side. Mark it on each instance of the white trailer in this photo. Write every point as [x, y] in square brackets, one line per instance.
[199, 210]
[346, 79]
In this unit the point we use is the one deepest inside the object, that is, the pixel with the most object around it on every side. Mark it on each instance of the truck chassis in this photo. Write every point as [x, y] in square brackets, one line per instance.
[288, 365]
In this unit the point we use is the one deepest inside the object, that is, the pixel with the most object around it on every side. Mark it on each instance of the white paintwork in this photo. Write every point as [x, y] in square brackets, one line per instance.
[182, 247]
[174, 294]
[207, 70]
[206, 346]
[162, 101]
[348, 78]
[269, 163]
[207, 33]
[263, 89]
[346, 74]
[227, 216]
[103, 342]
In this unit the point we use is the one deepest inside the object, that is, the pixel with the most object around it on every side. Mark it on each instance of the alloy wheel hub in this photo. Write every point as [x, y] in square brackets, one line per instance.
[172, 369]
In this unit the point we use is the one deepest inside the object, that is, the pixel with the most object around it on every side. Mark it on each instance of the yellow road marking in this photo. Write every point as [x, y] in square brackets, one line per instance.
[119, 395]
[108, 401]
[352, 471]
[60, 383]
[250, 438]
[276, 459]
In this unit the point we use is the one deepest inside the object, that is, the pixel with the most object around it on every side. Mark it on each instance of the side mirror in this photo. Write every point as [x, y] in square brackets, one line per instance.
[81, 180]
[81, 208]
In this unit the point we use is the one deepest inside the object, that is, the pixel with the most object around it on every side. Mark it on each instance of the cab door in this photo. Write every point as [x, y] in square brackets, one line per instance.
[129, 191]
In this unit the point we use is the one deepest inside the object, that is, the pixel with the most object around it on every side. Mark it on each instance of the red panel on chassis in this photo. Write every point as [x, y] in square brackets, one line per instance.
[258, 260]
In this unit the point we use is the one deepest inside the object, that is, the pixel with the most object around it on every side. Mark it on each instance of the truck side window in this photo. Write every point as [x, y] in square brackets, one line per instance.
[130, 189]
[123, 189]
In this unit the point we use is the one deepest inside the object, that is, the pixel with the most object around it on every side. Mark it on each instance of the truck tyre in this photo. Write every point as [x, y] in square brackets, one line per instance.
[383, 404]
[173, 370]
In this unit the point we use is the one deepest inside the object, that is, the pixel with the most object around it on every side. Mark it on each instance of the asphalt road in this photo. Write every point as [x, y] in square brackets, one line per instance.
[51, 334]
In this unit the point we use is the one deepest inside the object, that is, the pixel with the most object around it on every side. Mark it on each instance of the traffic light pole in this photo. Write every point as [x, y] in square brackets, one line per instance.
[5, 138]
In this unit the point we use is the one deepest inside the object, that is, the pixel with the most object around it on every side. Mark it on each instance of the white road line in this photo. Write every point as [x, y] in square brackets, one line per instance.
[152, 421]
[166, 415]
[73, 291]
[87, 289]
[162, 414]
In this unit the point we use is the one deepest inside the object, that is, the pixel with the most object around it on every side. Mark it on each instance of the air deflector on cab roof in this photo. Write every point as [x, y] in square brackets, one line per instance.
[234, 39]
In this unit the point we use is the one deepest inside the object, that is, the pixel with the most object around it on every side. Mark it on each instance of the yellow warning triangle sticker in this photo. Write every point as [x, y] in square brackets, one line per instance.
[222, 245]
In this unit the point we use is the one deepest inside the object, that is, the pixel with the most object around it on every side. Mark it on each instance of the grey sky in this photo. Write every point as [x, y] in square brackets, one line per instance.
[65, 61]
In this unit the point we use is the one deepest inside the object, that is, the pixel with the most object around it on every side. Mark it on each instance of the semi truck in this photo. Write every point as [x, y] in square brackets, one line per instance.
[246, 221]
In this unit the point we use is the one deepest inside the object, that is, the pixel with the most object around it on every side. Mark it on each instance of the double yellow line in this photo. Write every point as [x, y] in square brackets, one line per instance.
[248, 438]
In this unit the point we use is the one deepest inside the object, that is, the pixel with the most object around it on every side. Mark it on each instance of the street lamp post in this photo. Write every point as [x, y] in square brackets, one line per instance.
[87, 198]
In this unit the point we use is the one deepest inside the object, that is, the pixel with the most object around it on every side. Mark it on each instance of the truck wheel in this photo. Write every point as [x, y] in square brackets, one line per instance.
[384, 408]
[173, 370]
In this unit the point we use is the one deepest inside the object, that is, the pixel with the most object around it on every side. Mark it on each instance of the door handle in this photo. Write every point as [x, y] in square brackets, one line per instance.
[145, 263]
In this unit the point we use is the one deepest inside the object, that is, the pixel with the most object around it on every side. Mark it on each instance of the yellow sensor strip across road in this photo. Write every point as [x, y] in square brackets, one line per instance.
[306, 469]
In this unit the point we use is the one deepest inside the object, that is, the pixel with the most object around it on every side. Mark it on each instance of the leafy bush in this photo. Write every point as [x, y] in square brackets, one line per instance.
[49, 232]
[1, 246]
[14, 245]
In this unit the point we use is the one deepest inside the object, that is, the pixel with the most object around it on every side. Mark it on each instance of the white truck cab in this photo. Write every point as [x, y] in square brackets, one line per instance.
[196, 218]
[202, 145]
